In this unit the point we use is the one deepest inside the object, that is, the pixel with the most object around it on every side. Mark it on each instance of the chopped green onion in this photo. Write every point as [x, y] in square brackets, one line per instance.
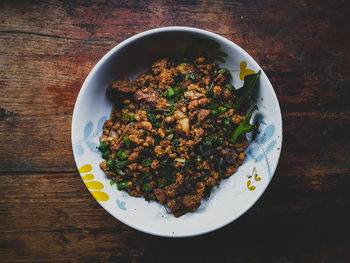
[229, 87]
[169, 112]
[103, 146]
[121, 164]
[110, 163]
[190, 75]
[228, 105]
[222, 109]
[127, 141]
[214, 112]
[146, 162]
[161, 183]
[209, 92]
[223, 70]
[132, 118]
[158, 124]
[120, 172]
[122, 155]
[122, 185]
[227, 122]
[170, 92]
[105, 155]
[125, 118]
[147, 187]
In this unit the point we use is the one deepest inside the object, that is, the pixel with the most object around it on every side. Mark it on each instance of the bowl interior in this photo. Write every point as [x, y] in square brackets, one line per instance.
[234, 195]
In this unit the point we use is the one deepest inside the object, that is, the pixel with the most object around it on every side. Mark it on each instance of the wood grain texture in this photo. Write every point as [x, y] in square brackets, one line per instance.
[47, 49]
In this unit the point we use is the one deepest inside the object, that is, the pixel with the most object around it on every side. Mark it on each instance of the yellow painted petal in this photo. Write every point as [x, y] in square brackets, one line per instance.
[88, 177]
[85, 168]
[100, 196]
[244, 70]
[252, 188]
[243, 65]
[94, 185]
[248, 183]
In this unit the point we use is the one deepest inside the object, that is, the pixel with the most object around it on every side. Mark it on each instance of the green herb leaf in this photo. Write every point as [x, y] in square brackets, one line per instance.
[244, 126]
[248, 86]
[112, 182]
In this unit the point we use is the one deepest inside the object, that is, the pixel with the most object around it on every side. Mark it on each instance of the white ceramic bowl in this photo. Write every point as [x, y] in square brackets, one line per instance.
[234, 196]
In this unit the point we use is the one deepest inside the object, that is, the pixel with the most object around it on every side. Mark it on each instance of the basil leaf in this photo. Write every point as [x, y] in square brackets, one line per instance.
[248, 86]
[244, 126]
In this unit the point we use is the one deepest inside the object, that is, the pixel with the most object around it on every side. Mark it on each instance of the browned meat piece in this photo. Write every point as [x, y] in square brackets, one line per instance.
[230, 156]
[175, 206]
[191, 202]
[147, 98]
[160, 194]
[242, 144]
[144, 80]
[133, 157]
[120, 90]
[184, 189]
[202, 114]
[159, 65]
[223, 77]
[166, 78]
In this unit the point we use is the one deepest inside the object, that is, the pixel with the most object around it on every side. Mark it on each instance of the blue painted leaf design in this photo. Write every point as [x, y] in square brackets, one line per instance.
[78, 149]
[121, 205]
[259, 158]
[270, 147]
[87, 130]
[254, 151]
[269, 131]
[100, 124]
[92, 146]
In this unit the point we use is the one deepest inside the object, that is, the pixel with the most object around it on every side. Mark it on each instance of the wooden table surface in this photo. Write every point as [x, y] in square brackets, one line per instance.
[47, 49]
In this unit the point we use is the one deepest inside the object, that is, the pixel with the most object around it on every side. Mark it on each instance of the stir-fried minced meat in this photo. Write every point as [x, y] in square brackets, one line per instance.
[120, 89]
[175, 133]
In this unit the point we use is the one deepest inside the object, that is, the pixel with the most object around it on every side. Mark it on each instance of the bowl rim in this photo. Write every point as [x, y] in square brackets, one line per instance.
[155, 31]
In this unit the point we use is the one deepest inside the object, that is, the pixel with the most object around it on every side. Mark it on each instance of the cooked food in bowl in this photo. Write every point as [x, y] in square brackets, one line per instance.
[176, 131]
